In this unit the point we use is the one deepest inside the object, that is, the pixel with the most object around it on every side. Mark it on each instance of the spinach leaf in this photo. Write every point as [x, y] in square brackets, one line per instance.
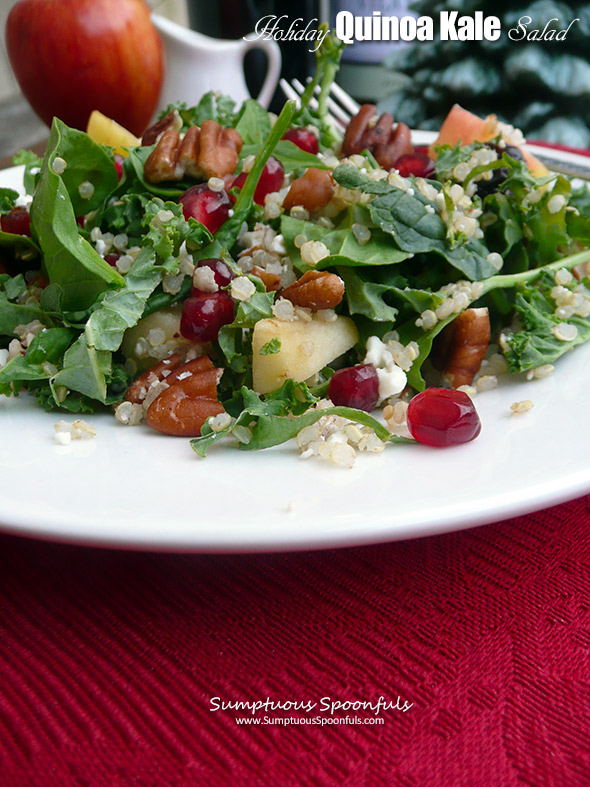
[341, 242]
[86, 162]
[69, 259]
[404, 216]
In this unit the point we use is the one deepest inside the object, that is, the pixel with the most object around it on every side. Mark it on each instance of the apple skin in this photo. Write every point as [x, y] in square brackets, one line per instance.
[73, 56]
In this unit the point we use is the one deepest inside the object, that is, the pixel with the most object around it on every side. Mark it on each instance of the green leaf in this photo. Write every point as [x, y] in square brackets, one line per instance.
[86, 162]
[212, 106]
[253, 123]
[7, 198]
[32, 164]
[69, 259]
[536, 344]
[415, 230]
[84, 370]
[271, 348]
[13, 314]
[341, 242]
[279, 417]
[122, 309]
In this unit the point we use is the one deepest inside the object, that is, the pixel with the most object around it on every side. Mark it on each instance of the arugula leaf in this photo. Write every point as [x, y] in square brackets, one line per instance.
[69, 259]
[280, 417]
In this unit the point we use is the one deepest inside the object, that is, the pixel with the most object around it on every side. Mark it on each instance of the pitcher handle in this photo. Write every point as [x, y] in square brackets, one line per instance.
[273, 54]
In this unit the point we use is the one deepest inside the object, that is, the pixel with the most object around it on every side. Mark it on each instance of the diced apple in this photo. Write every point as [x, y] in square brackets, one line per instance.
[306, 347]
[167, 321]
[108, 132]
[465, 127]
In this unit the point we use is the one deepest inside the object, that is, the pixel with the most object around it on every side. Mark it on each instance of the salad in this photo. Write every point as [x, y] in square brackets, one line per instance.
[240, 277]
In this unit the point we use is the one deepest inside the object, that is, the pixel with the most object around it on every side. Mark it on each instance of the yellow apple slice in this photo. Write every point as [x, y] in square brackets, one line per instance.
[306, 347]
[108, 132]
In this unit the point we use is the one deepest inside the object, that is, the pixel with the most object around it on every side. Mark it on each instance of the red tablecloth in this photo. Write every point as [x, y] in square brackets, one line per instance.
[110, 662]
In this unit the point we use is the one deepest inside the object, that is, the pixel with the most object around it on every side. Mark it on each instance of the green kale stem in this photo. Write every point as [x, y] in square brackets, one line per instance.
[512, 279]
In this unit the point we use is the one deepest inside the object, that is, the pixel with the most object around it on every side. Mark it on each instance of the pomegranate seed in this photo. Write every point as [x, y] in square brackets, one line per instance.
[119, 165]
[209, 207]
[304, 138]
[355, 386]
[112, 259]
[204, 315]
[440, 417]
[17, 222]
[271, 179]
[221, 274]
[417, 164]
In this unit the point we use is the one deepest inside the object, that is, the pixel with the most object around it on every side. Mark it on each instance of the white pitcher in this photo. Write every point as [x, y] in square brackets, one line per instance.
[196, 63]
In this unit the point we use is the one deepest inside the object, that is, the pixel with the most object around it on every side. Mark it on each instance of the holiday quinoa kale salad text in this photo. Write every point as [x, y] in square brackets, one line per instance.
[239, 277]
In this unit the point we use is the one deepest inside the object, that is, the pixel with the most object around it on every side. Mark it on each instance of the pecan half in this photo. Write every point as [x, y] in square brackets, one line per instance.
[313, 190]
[316, 290]
[176, 412]
[219, 149]
[384, 141]
[137, 391]
[182, 408]
[210, 151]
[161, 164]
[153, 133]
[462, 346]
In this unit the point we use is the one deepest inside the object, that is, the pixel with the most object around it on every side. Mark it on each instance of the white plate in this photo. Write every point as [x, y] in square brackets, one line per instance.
[135, 488]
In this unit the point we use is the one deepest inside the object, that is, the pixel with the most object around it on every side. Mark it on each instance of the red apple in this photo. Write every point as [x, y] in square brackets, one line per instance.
[73, 56]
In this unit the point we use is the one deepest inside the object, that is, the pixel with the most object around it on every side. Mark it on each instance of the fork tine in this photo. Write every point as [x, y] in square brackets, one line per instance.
[347, 101]
[289, 92]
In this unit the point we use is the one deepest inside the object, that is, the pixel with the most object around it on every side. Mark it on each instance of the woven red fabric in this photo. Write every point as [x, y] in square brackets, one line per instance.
[109, 661]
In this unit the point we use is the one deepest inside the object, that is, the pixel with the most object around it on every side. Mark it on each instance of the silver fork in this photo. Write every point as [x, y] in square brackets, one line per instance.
[342, 107]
